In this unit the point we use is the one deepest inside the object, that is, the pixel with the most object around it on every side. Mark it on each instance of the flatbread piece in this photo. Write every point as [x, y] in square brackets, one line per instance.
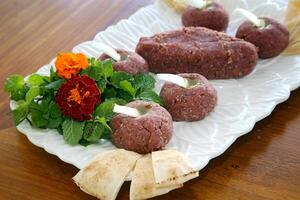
[104, 176]
[171, 168]
[143, 184]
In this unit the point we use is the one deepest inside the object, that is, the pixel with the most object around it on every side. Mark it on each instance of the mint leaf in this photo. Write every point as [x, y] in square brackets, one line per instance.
[55, 116]
[93, 131]
[106, 134]
[109, 92]
[60, 130]
[93, 72]
[98, 69]
[37, 119]
[45, 113]
[117, 77]
[53, 75]
[72, 131]
[54, 110]
[106, 128]
[124, 95]
[102, 120]
[55, 85]
[36, 80]
[41, 104]
[105, 110]
[32, 93]
[18, 94]
[107, 69]
[126, 86]
[117, 101]
[150, 96]
[13, 82]
[144, 82]
[84, 142]
[54, 122]
[95, 62]
[20, 113]
[101, 83]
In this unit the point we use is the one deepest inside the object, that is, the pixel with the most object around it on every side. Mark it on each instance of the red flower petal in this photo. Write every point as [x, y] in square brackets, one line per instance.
[78, 97]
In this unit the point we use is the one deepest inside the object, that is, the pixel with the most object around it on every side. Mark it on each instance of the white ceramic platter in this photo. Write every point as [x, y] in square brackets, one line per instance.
[241, 104]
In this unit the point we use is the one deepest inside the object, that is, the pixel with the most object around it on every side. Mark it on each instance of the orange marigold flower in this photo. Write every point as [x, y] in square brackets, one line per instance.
[69, 64]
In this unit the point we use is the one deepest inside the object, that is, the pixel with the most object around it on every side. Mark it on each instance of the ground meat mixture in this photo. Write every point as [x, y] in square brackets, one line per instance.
[144, 134]
[270, 40]
[213, 16]
[212, 54]
[130, 62]
[189, 104]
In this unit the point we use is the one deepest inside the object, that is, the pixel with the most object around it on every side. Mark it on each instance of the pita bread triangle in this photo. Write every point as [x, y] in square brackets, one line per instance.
[104, 176]
[143, 184]
[171, 168]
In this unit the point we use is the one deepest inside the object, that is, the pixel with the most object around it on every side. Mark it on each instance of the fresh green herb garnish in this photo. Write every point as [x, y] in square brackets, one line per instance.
[36, 100]
[72, 131]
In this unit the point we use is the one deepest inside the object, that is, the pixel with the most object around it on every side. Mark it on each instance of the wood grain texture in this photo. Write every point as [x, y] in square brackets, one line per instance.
[264, 164]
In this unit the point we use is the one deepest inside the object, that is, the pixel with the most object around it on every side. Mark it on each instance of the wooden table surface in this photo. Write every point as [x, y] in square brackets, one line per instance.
[264, 164]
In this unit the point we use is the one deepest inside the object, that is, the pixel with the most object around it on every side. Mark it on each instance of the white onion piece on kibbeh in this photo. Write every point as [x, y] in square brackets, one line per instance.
[196, 3]
[132, 112]
[250, 16]
[128, 61]
[172, 78]
[108, 51]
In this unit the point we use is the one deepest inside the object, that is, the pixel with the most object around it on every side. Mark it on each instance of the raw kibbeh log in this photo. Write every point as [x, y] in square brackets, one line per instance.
[130, 62]
[189, 104]
[213, 16]
[143, 134]
[271, 40]
[212, 54]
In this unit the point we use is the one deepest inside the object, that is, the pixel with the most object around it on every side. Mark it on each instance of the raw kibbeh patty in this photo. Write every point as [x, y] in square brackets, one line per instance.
[189, 104]
[130, 62]
[214, 17]
[270, 40]
[212, 54]
[144, 134]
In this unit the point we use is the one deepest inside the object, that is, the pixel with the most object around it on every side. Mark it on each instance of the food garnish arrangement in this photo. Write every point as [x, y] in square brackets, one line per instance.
[112, 97]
